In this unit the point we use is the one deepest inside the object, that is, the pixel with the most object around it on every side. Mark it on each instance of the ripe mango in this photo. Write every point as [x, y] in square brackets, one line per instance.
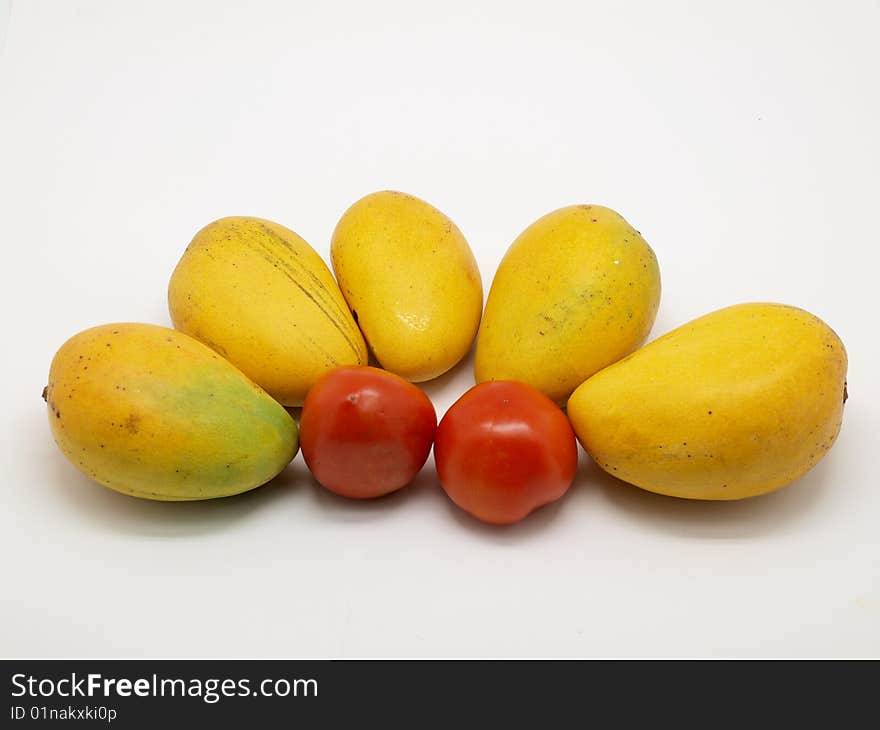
[259, 295]
[409, 275]
[153, 413]
[575, 292]
[734, 404]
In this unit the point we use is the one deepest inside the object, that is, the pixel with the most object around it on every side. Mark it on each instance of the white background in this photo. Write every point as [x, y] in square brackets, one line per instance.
[740, 138]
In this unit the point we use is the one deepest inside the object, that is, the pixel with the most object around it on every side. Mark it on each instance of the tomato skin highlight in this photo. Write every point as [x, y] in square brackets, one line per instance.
[365, 432]
[504, 449]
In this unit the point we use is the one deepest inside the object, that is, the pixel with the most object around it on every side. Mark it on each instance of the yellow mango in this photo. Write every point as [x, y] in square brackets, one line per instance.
[575, 292]
[150, 412]
[734, 404]
[411, 279]
[259, 295]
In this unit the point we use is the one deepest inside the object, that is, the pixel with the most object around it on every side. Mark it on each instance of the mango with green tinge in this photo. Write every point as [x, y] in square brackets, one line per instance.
[151, 412]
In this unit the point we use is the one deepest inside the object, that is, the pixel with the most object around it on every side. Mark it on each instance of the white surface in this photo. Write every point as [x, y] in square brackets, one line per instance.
[740, 138]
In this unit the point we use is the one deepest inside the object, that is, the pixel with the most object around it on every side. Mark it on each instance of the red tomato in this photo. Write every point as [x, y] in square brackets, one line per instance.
[504, 449]
[365, 432]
